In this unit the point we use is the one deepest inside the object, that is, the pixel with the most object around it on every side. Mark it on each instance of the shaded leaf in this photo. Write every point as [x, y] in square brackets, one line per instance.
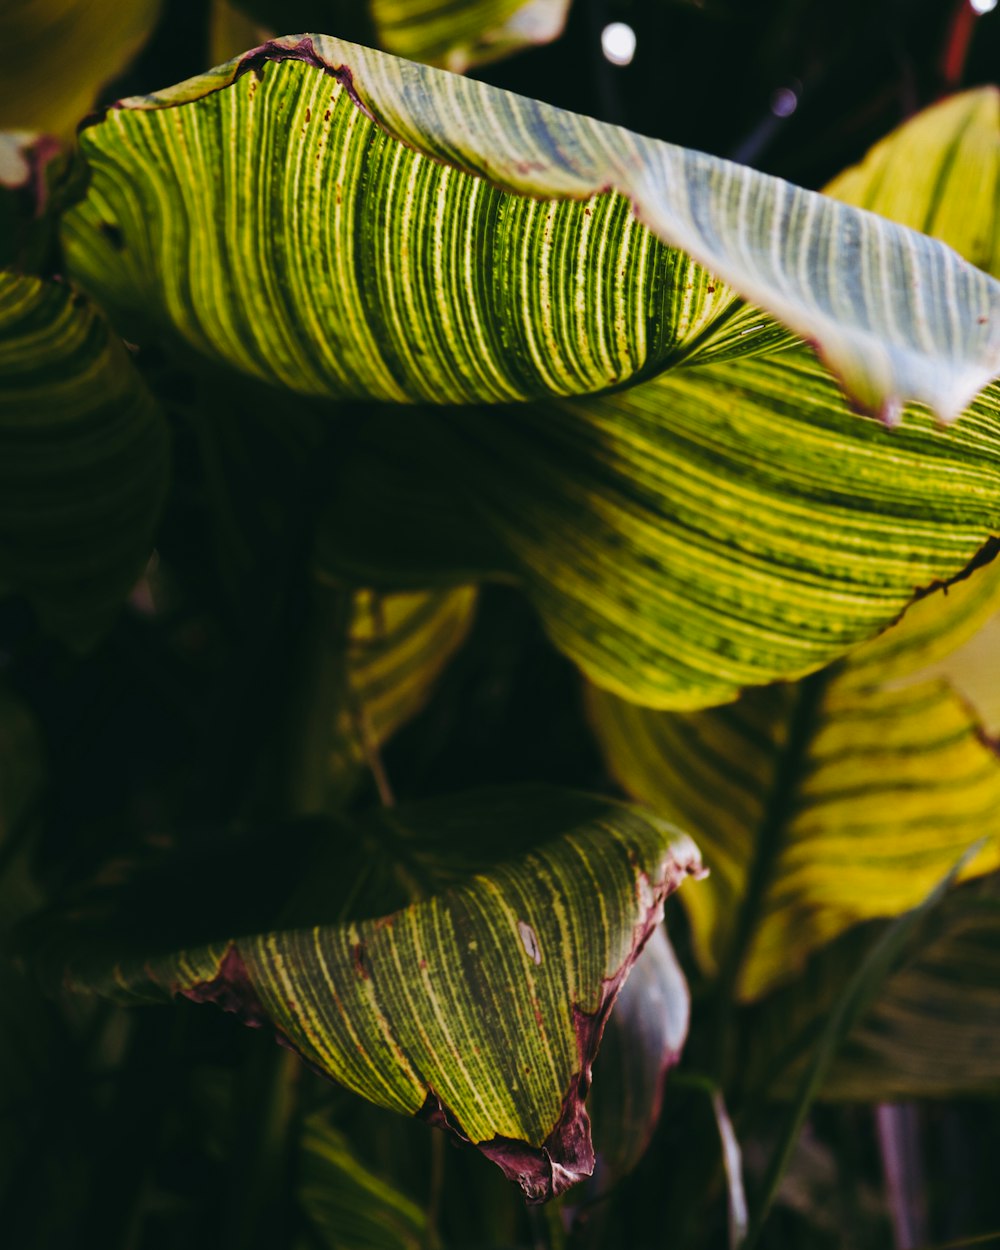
[479, 1006]
[396, 649]
[56, 55]
[85, 459]
[398, 250]
[642, 1042]
[348, 1207]
[933, 1031]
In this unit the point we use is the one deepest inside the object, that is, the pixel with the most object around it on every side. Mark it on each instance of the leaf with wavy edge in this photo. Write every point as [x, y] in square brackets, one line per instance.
[85, 459]
[478, 1007]
[56, 55]
[425, 236]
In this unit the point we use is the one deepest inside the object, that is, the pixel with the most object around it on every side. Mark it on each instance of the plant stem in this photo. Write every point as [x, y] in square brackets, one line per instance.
[770, 842]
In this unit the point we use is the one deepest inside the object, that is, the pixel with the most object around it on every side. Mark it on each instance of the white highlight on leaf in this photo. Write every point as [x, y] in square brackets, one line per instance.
[530, 941]
[618, 43]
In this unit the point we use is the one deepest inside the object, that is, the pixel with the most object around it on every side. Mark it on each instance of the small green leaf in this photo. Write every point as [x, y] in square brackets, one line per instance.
[85, 459]
[428, 237]
[478, 1007]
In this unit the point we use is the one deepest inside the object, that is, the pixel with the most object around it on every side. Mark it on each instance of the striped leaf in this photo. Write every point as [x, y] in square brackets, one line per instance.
[480, 1005]
[868, 788]
[427, 237]
[46, 82]
[346, 1205]
[934, 1031]
[713, 529]
[397, 647]
[85, 459]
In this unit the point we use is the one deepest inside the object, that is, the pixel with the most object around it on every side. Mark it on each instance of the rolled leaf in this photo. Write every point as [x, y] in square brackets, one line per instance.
[479, 1007]
[56, 55]
[427, 237]
[85, 459]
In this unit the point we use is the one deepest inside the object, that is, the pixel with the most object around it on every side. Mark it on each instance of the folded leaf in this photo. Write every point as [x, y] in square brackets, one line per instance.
[478, 1007]
[427, 237]
[56, 55]
[934, 1030]
[85, 459]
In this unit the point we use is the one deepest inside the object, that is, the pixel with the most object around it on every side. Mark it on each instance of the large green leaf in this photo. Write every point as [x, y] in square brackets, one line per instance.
[56, 55]
[478, 1007]
[934, 1030]
[85, 459]
[713, 529]
[427, 237]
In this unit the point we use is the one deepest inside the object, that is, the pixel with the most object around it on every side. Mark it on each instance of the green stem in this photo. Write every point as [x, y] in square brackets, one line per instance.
[769, 844]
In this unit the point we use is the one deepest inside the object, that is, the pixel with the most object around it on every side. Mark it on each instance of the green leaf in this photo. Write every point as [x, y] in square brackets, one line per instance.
[714, 529]
[427, 237]
[85, 459]
[348, 1207]
[479, 1006]
[933, 1030]
[867, 801]
[56, 55]
[850, 1005]
[397, 646]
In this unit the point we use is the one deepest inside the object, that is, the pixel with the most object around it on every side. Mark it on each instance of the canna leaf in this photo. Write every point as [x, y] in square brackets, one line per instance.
[931, 1033]
[397, 647]
[479, 1006]
[46, 83]
[427, 237]
[870, 797]
[85, 459]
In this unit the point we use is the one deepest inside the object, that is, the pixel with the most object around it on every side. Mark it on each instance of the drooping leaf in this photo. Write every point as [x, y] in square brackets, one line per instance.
[56, 55]
[868, 798]
[643, 1041]
[85, 459]
[427, 237]
[347, 1206]
[479, 1006]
